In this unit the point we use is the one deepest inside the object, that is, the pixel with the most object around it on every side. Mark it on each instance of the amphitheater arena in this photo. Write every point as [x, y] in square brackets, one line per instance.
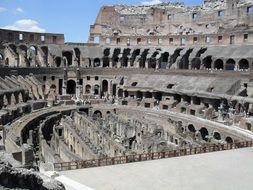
[152, 82]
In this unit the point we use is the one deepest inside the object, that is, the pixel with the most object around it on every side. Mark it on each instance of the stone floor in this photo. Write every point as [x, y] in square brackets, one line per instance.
[227, 170]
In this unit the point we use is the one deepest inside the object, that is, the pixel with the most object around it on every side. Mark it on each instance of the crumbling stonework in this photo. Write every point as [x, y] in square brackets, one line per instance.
[14, 178]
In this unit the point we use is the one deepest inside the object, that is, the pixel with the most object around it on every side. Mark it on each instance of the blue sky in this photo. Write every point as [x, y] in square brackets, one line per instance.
[70, 17]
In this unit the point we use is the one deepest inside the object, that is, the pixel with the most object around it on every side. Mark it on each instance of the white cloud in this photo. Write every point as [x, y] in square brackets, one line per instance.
[19, 10]
[151, 2]
[2, 9]
[26, 25]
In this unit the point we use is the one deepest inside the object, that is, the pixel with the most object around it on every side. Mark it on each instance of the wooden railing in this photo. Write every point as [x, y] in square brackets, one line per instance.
[148, 156]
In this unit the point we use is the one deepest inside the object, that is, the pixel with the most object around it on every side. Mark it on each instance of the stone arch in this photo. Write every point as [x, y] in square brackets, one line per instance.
[107, 52]
[1, 57]
[229, 140]
[135, 53]
[57, 61]
[217, 136]
[13, 47]
[97, 114]
[53, 87]
[87, 89]
[115, 57]
[96, 89]
[33, 49]
[218, 64]
[191, 128]
[124, 61]
[114, 89]
[45, 52]
[243, 64]
[71, 87]
[77, 55]
[106, 62]
[207, 62]
[230, 65]
[164, 59]
[23, 48]
[195, 63]
[105, 86]
[126, 93]
[96, 62]
[204, 133]
[67, 55]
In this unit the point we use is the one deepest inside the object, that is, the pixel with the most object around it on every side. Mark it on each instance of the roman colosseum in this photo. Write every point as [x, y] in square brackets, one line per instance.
[152, 82]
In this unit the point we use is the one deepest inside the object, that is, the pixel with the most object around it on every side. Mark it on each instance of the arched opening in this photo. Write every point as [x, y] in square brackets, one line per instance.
[45, 51]
[107, 52]
[23, 48]
[135, 53]
[191, 128]
[53, 87]
[158, 96]
[71, 87]
[96, 89]
[125, 93]
[57, 61]
[229, 140]
[114, 89]
[68, 58]
[243, 64]
[13, 47]
[148, 95]
[97, 114]
[204, 133]
[104, 87]
[96, 62]
[106, 62]
[124, 62]
[216, 136]
[139, 95]
[152, 63]
[207, 62]
[163, 61]
[184, 62]
[78, 55]
[165, 57]
[115, 57]
[120, 93]
[87, 89]
[230, 65]
[33, 50]
[195, 63]
[218, 64]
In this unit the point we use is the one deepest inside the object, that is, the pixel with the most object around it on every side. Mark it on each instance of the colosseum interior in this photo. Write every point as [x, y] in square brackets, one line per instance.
[151, 80]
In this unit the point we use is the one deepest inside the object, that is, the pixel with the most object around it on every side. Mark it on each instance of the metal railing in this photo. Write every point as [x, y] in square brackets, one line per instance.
[148, 156]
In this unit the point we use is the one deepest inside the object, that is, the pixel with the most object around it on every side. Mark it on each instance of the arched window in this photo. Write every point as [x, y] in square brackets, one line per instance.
[243, 64]
[230, 65]
[218, 64]
[96, 62]
[71, 87]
